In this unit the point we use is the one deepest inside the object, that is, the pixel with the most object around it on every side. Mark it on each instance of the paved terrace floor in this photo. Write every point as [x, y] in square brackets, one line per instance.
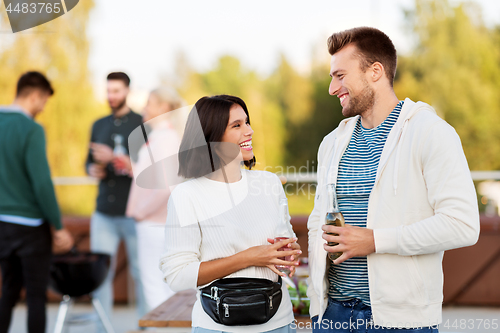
[456, 319]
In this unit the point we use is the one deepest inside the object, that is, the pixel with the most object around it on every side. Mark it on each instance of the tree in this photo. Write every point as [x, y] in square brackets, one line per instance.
[230, 77]
[456, 68]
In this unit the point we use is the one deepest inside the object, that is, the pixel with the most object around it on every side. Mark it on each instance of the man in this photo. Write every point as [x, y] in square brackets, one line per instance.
[28, 206]
[404, 188]
[109, 225]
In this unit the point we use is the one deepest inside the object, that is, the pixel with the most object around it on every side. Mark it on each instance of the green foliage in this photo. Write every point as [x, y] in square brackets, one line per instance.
[230, 77]
[324, 116]
[456, 68]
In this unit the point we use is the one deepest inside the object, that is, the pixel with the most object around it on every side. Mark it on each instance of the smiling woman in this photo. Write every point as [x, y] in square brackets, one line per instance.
[221, 226]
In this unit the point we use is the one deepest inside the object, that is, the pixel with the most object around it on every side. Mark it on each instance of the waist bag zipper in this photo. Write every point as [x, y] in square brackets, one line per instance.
[226, 306]
[271, 299]
[214, 295]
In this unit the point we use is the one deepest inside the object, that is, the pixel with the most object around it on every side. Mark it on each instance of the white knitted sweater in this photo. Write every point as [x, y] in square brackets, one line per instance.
[209, 220]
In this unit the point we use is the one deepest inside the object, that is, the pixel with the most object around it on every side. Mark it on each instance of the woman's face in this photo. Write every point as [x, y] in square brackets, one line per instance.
[238, 131]
[154, 108]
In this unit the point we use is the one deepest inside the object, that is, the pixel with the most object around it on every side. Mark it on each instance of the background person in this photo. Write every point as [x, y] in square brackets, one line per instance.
[108, 224]
[149, 206]
[28, 206]
[405, 190]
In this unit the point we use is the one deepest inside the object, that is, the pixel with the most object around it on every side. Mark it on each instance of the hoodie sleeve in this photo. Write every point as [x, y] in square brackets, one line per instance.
[313, 223]
[451, 194]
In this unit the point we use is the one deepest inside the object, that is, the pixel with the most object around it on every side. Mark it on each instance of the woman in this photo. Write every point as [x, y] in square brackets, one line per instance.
[149, 206]
[221, 222]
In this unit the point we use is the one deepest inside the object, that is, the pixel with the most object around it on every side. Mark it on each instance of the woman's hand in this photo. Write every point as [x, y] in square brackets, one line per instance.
[268, 255]
[262, 256]
[294, 258]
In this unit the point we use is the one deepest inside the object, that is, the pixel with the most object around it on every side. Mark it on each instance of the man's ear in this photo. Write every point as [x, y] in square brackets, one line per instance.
[377, 71]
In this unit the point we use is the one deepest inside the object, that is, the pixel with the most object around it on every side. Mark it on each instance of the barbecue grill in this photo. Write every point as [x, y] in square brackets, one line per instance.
[76, 274]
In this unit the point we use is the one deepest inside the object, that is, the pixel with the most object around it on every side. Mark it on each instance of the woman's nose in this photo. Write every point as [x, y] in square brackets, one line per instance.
[249, 131]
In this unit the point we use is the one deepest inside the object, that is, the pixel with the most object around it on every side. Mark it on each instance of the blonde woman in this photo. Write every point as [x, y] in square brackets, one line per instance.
[149, 206]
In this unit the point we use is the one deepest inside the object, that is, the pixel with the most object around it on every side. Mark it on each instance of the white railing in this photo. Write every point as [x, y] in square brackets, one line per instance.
[309, 177]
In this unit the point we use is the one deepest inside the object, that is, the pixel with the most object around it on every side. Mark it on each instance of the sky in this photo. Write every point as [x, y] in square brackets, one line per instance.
[144, 37]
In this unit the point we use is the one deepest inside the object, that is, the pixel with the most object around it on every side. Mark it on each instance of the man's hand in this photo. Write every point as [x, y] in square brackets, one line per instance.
[97, 171]
[102, 154]
[63, 241]
[122, 165]
[353, 241]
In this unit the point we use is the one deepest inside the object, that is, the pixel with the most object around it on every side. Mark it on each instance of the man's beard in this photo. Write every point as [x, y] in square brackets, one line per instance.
[360, 103]
[122, 103]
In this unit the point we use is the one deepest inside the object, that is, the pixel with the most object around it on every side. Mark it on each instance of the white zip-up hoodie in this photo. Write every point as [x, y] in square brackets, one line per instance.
[423, 202]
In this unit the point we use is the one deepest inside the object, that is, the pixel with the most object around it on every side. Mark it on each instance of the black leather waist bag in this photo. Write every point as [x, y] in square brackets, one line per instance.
[241, 301]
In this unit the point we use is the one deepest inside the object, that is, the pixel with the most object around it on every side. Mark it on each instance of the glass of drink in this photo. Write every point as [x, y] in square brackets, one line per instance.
[283, 231]
[283, 268]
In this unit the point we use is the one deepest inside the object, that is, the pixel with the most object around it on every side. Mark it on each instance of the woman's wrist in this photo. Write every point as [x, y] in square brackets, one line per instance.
[242, 260]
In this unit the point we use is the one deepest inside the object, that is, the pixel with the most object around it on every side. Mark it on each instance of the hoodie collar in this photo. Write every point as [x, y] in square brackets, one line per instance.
[394, 139]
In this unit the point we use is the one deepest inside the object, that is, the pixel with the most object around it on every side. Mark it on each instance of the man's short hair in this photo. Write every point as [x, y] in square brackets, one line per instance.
[373, 46]
[30, 81]
[120, 76]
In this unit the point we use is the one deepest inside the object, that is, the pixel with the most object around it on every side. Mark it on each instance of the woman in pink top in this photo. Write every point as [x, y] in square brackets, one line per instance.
[149, 206]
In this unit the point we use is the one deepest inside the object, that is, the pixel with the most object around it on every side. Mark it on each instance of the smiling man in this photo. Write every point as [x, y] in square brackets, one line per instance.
[404, 188]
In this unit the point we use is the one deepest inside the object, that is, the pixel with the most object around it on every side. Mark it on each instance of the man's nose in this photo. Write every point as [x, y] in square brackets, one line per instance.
[334, 87]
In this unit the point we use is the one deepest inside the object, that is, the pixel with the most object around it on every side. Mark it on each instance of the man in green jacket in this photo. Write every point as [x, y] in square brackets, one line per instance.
[28, 206]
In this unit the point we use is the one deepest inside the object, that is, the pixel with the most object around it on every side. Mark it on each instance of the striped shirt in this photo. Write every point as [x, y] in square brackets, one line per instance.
[355, 180]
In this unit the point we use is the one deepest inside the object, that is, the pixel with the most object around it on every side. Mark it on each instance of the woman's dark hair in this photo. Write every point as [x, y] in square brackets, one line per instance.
[206, 124]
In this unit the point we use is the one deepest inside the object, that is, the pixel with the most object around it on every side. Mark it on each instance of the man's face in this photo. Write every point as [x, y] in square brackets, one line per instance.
[349, 83]
[117, 94]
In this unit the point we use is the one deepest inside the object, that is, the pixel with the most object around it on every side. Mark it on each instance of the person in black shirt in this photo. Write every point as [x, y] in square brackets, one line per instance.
[109, 225]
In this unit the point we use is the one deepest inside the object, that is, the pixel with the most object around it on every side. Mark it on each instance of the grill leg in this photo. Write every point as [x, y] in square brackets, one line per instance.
[64, 307]
[102, 315]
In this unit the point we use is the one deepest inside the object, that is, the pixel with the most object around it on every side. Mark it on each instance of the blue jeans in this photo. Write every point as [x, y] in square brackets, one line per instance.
[106, 232]
[355, 317]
